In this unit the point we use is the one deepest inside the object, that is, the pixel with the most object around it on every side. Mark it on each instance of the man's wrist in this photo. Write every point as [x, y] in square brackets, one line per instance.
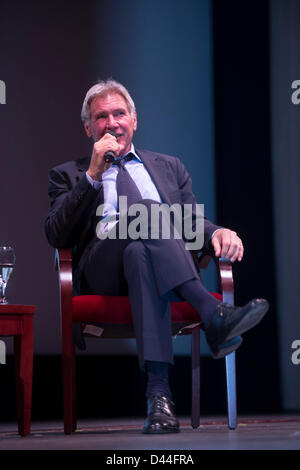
[95, 176]
[93, 182]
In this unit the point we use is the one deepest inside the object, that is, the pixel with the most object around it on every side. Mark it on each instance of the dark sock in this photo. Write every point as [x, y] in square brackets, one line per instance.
[195, 293]
[158, 379]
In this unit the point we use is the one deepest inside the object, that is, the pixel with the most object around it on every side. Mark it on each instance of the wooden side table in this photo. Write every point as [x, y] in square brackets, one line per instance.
[17, 321]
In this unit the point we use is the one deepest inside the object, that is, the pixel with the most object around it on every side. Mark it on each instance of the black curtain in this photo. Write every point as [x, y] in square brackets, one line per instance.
[244, 182]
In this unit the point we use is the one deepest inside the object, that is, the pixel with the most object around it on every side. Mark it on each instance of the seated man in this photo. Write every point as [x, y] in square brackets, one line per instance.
[86, 209]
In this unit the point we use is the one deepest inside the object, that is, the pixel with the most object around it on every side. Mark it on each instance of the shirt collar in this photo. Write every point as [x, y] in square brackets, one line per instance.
[132, 150]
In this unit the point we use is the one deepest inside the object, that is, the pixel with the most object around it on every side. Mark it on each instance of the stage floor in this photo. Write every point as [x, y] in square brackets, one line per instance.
[253, 433]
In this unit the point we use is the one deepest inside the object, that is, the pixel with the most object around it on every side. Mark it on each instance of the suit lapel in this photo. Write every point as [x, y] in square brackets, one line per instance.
[158, 171]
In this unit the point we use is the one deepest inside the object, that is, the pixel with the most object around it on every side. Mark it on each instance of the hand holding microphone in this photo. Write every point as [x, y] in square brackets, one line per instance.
[104, 154]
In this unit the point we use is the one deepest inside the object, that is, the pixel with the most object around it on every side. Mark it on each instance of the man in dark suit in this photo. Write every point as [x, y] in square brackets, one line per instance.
[86, 214]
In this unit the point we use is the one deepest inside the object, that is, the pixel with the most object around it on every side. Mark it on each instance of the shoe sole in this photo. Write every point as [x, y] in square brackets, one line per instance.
[227, 347]
[250, 320]
[160, 431]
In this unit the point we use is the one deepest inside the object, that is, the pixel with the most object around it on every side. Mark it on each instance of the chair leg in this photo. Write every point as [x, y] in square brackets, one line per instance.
[231, 390]
[195, 419]
[69, 384]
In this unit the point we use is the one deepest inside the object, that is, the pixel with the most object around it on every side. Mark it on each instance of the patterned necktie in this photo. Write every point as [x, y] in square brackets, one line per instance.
[125, 184]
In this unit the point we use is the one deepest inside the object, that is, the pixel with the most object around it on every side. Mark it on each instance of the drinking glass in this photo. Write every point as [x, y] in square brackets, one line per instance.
[7, 263]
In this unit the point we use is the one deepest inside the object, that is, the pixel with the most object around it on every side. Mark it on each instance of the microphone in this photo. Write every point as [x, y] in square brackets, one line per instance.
[110, 155]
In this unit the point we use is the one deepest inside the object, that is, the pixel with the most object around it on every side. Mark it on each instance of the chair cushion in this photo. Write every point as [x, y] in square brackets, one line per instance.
[116, 310]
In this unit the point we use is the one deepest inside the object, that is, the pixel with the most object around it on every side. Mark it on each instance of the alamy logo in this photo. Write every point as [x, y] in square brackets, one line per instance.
[296, 94]
[296, 353]
[2, 352]
[159, 221]
[2, 92]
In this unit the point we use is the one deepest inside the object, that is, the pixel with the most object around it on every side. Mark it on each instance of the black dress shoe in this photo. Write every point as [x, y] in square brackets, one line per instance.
[161, 416]
[229, 322]
[227, 347]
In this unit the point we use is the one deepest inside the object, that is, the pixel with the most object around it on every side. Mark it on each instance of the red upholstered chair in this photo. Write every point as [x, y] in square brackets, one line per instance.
[113, 316]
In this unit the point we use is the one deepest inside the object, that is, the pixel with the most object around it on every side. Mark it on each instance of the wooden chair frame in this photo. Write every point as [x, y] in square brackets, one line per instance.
[63, 262]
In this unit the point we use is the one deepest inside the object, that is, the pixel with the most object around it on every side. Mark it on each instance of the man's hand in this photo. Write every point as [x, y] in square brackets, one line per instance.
[98, 165]
[228, 245]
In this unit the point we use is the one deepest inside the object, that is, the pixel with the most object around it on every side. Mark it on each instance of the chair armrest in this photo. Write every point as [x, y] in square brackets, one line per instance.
[63, 263]
[63, 254]
[226, 280]
[224, 267]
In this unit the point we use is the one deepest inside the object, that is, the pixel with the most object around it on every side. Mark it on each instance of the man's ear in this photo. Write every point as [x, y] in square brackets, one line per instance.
[135, 121]
[87, 129]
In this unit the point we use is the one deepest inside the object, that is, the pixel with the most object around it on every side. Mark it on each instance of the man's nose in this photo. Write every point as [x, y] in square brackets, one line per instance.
[111, 122]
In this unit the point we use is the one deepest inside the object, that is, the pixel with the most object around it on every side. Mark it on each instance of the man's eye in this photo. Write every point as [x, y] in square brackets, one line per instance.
[119, 113]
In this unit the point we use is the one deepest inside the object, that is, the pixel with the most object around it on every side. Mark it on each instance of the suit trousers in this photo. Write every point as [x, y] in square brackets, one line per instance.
[148, 270]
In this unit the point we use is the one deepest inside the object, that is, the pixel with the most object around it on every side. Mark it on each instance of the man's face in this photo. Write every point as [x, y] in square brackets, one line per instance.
[111, 113]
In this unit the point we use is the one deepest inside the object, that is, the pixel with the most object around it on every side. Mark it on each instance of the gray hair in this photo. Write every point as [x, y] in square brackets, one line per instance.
[104, 87]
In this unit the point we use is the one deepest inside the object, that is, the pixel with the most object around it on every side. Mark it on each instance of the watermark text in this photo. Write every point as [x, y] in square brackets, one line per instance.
[2, 352]
[154, 221]
[2, 92]
[296, 94]
[295, 358]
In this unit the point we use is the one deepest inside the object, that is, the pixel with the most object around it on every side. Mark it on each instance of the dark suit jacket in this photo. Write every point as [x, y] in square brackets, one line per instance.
[74, 201]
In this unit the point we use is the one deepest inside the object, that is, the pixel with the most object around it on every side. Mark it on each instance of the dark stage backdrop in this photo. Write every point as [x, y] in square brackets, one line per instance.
[243, 181]
[285, 71]
[257, 182]
[44, 60]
